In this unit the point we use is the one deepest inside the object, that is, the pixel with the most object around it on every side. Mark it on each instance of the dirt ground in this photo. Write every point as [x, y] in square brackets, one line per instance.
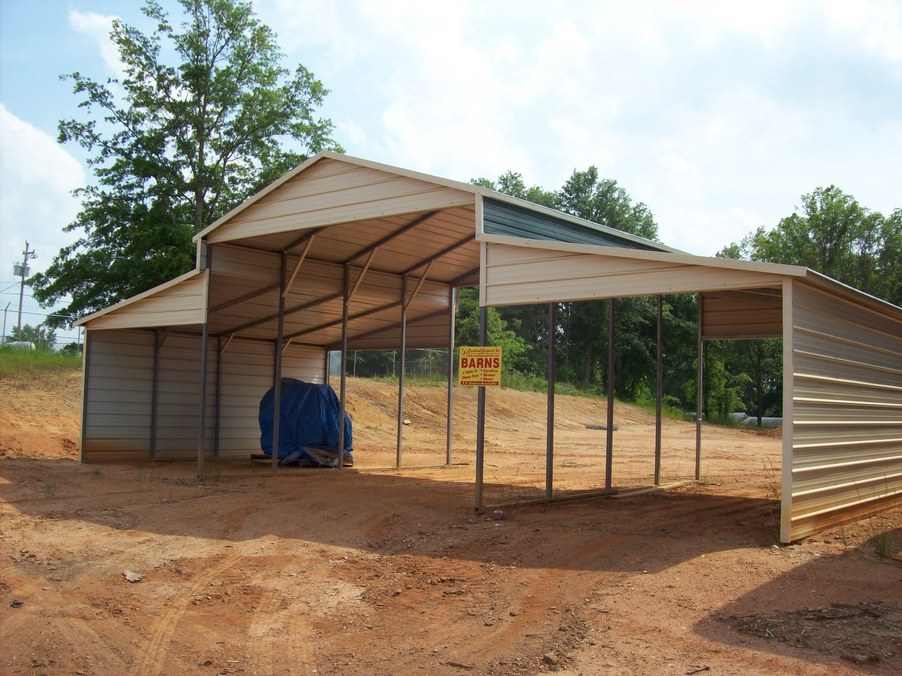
[380, 571]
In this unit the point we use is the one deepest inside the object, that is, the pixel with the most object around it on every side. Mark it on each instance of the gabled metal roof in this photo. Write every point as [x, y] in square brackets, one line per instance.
[383, 225]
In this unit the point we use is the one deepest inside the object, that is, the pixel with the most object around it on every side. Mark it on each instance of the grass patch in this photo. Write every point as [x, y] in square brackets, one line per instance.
[15, 363]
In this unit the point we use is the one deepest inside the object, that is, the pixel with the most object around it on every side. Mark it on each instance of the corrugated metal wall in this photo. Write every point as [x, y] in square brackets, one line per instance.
[846, 402]
[178, 396]
[119, 378]
[118, 385]
[247, 372]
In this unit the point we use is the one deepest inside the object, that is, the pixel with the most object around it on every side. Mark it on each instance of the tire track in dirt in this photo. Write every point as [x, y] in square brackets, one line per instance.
[150, 661]
[283, 631]
[549, 587]
[48, 613]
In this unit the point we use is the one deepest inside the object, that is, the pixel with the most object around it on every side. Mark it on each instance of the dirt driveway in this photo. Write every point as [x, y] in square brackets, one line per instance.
[373, 571]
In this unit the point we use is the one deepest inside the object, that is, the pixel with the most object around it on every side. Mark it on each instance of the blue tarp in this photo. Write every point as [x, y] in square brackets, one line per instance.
[308, 423]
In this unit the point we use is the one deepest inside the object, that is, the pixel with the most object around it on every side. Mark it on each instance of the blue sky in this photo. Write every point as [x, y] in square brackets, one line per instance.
[717, 115]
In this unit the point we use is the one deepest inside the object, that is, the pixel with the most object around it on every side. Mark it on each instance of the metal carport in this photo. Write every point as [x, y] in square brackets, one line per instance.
[345, 253]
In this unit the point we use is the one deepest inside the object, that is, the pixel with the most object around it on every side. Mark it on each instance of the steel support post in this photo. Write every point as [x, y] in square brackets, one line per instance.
[217, 409]
[452, 302]
[401, 372]
[343, 378]
[155, 394]
[277, 375]
[609, 425]
[202, 431]
[480, 414]
[699, 390]
[549, 420]
[659, 390]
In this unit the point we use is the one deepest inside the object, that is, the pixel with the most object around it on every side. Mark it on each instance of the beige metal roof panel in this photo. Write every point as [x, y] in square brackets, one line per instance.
[162, 288]
[440, 233]
[522, 275]
[353, 194]
[174, 304]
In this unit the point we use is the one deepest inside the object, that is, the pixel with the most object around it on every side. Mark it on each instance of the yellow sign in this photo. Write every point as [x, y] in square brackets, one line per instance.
[479, 366]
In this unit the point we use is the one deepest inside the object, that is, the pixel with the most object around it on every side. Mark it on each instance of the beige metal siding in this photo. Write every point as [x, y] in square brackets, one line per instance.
[743, 314]
[118, 384]
[178, 305]
[178, 409]
[516, 275]
[846, 382]
[247, 373]
[333, 191]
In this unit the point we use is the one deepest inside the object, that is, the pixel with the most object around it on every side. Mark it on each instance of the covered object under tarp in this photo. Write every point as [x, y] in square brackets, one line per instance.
[308, 424]
[347, 254]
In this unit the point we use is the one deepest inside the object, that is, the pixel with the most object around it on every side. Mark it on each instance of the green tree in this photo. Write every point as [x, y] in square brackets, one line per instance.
[584, 355]
[512, 183]
[498, 331]
[834, 235]
[603, 201]
[43, 337]
[174, 146]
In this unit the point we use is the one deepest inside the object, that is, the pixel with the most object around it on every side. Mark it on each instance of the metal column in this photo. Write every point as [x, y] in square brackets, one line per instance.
[343, 380]
[202, 432]
[659, 390]
[609, 425]
[452, 301]
[277, 376]
[217, 419]
[549, 420]
[155, 394]
[85, 386]
[401, 371]
[480, 414]
[699, 390]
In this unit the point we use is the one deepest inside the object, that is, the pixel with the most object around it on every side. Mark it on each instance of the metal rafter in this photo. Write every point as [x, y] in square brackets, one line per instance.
[366, 266]
[269, 318]
[297, 266]
[392, 327]
[457, 280]
[448, 249]
[303, 238]
[336, 322]
[393, 235]
[419, 285]
[245, 297]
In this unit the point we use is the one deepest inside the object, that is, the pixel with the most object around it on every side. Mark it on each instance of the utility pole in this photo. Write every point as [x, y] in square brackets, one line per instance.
[22, 270]
[3, 337]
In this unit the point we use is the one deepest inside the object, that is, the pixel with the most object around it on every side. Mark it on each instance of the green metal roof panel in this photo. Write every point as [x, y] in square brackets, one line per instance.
[501, 218]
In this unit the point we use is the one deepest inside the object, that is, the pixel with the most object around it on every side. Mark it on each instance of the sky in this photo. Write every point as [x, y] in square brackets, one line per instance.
[717, 115]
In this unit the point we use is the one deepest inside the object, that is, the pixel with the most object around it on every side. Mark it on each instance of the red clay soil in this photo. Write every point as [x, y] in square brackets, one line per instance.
[375, 571]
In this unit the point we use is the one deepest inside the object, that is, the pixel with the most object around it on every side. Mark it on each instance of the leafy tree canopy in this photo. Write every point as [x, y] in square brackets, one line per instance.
[603, 201]
[833, 234]
[176, 144]
[42, 337]
[511, 183]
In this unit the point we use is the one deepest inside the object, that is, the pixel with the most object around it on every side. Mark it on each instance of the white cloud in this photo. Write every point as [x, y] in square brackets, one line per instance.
[98, 27]
[36, 180]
